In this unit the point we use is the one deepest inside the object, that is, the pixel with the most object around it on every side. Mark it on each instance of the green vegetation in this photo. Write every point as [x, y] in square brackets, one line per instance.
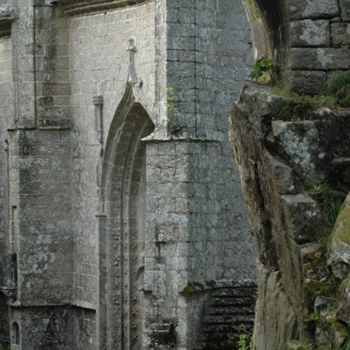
[313, 317]
[330, 205]
[172, 127]
[344, 347]
[264, 71]
[342, 229]
[335, 95]
[338, 85]
[301, 345]
[321, 288]
[298, 107]
[242, 343]
[170, 100]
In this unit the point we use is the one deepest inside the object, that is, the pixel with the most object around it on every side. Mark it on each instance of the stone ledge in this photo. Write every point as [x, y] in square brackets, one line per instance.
[77, 7]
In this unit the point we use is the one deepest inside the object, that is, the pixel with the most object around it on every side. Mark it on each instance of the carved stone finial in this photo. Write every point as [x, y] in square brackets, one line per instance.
[132, 77]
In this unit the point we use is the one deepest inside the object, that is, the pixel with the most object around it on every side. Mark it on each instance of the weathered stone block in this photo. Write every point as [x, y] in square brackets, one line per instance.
[339, 257]
[345, 9]
[306, 82]
[283, 175]
[343, 313]
[340, 33]
[303, 217]
[320, 58]
[313, 8]
[309, 33]
[298, 141]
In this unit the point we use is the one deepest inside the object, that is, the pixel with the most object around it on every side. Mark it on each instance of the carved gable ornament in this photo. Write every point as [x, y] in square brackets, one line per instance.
[132, 76]
[76, 7]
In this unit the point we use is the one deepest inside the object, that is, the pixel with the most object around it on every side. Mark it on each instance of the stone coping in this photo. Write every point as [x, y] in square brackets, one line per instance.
[77, 7]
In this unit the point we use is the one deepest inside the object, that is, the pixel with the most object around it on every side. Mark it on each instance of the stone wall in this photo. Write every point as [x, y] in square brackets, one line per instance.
[99, 66]
[41, 183]
[199, 70]
[208, 58]
[6, 118]
[112, 231]
[318, 43]
[306, 39]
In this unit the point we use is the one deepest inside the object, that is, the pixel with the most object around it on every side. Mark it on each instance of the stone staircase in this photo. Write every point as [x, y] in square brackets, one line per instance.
[228, 313]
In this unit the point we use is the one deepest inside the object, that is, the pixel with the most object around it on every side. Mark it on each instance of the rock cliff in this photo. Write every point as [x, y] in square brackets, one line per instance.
[295, 177]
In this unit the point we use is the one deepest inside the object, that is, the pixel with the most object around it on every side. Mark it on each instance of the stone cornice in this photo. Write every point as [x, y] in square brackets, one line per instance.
[76, 7]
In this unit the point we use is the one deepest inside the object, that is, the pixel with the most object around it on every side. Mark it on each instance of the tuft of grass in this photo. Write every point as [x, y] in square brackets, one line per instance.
[343, 96]
[297, 109]
[327, 289]
[336, 82]
[313, 317]
[338, 86]
[336, 95]
[300, 107]
[329, 203]
[331, 208]
[242, 343]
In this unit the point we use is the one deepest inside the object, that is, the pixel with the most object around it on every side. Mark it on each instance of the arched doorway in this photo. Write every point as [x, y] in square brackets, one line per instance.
[123, 199]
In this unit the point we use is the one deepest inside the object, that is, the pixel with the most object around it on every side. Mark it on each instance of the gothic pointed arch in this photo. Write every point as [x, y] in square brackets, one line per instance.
[269, 25]
[123, 202]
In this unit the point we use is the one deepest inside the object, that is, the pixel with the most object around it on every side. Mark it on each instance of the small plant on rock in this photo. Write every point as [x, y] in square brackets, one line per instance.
[264, 71]
[314, 317]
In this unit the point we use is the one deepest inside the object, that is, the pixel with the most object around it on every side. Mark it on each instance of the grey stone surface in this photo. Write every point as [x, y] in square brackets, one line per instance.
[309, 33]
[303, 218]
[340, 32]
[119, 218]
[320, 58]
[284, 176]
[313, 8]
[307, 82]
[298, 140]
[345, 9]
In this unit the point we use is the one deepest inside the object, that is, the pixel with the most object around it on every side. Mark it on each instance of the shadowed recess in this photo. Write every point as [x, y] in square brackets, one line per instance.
[268, 23]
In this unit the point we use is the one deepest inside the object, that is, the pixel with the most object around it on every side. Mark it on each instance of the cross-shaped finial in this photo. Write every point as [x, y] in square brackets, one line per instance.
[132, 78]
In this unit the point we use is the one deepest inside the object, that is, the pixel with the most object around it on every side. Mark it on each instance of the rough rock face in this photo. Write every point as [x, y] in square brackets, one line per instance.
[294, 180]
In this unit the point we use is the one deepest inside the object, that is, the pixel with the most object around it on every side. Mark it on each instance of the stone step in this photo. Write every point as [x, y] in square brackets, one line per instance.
[234, 292]
[233, 319]
[227, 328]
[241, 301]
[230, 311]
